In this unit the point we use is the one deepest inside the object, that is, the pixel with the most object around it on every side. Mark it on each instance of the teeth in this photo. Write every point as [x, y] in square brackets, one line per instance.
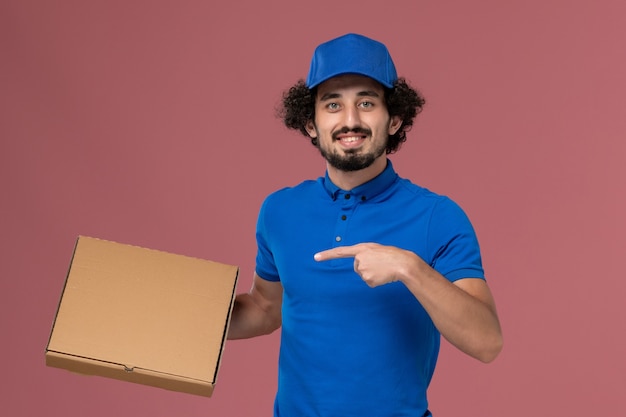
[351, 139]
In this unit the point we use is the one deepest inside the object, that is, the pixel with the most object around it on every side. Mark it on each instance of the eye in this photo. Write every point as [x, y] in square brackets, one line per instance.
[332, 106]
[366, 104]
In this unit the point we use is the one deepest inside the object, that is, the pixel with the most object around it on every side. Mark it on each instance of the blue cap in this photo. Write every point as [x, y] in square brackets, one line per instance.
[352, 54]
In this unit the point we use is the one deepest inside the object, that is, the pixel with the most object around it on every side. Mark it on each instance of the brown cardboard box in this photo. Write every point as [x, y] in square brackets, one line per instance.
[143, 316]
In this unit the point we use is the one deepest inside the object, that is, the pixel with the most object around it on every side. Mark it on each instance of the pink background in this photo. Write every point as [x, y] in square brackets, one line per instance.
[151, 123]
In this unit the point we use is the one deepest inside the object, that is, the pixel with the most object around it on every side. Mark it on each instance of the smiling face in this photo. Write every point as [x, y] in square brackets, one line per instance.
[352, 124]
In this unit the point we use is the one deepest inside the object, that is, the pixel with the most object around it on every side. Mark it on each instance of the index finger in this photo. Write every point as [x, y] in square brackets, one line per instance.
[338, 252]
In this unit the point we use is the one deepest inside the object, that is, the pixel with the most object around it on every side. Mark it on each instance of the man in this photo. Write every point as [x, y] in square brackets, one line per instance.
[362, 269]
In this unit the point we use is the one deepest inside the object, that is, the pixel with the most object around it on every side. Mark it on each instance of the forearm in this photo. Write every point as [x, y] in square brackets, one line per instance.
[464, 314]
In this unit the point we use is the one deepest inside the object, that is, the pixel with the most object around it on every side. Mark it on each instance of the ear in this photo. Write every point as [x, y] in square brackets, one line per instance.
[394, 124]
[310, 129]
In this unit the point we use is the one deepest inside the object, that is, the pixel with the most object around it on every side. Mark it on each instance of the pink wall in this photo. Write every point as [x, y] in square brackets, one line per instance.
[151, 123]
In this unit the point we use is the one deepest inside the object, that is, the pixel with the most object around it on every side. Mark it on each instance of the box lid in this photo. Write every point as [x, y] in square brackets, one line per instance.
[143, 311]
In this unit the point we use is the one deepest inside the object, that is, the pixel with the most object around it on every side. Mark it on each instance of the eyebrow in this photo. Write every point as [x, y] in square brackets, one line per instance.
[365, 93]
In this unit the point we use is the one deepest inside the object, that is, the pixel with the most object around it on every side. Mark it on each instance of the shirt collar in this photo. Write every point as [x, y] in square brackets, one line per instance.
[365, 191]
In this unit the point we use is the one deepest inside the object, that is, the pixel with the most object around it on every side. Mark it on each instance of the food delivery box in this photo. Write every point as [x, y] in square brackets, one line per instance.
[143, 316]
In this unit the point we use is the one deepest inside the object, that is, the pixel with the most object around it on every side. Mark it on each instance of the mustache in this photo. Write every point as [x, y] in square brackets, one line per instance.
[356, 129]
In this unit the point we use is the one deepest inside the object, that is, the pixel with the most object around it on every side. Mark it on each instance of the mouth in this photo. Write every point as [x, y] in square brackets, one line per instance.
[351, 139]
[351, 142]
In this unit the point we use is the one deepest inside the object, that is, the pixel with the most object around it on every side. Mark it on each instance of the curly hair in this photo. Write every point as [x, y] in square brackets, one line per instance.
[298, 108]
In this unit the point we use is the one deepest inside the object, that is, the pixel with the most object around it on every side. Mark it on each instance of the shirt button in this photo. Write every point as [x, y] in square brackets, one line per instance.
[347, 197]
[363, 198]
[338, 239]
[344, 217]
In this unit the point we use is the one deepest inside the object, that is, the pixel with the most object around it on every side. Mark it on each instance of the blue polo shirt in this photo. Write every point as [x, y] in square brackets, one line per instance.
[347, 349]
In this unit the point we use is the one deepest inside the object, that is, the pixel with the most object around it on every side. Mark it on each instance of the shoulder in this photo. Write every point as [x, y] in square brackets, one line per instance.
[287, 197]
[442, 208]
[304, 188]
[423, 195]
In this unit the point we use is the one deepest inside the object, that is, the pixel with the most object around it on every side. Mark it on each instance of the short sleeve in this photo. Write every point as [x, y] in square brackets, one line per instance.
[265, 265]
[452, 242]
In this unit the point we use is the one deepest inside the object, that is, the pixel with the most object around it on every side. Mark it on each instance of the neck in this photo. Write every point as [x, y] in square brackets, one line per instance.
[347, 180]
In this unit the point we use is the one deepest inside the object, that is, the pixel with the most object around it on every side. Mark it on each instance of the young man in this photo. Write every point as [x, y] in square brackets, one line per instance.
[362, 269]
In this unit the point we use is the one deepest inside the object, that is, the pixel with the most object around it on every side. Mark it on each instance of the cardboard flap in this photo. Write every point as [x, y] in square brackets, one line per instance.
[87, 366]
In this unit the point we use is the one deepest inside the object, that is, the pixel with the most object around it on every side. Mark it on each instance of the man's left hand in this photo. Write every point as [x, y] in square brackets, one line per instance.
[376, 264]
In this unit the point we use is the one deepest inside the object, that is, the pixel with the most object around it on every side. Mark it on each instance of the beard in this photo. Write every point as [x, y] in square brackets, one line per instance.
[352, 160]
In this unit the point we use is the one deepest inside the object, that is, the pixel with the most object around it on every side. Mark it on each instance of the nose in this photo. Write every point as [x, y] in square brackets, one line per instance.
[352, 117]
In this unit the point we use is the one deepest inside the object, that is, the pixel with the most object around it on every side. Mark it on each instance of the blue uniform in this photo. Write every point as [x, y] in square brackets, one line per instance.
[347, 349]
